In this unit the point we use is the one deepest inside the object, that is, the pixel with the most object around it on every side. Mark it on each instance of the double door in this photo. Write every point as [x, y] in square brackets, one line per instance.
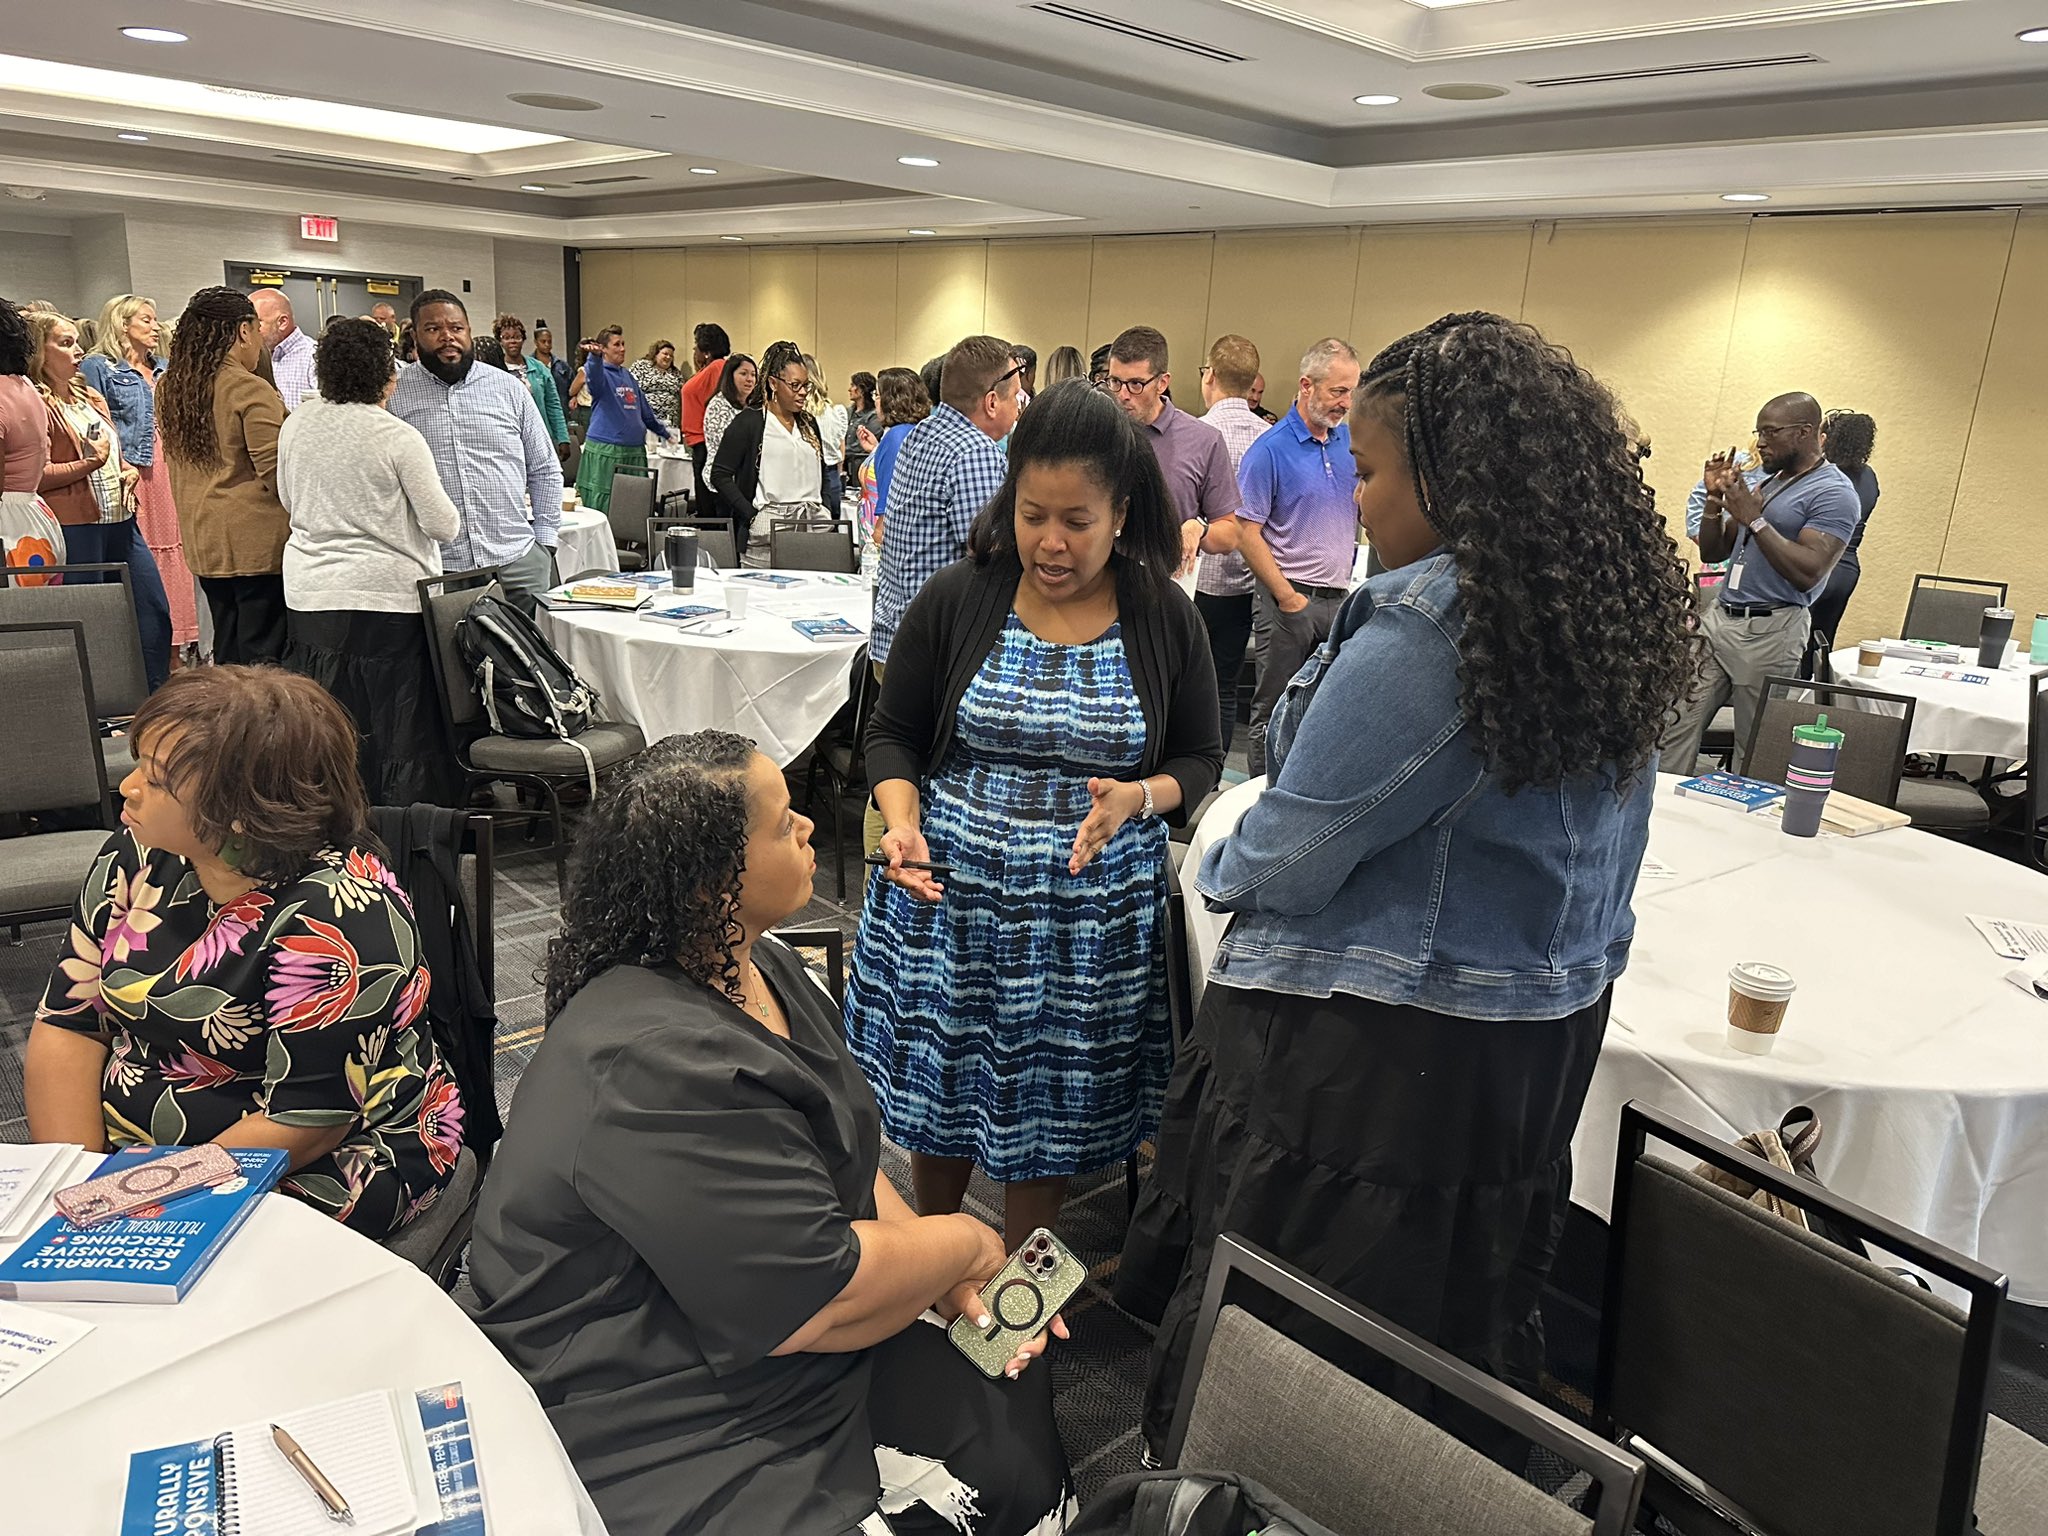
[318, 297]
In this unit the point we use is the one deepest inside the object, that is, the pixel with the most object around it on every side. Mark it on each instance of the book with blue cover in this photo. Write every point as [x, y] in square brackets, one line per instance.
[685, 610]
[767, 578]
[154, 1255]
[826, 629]
[1734, 791]
[405, 1462]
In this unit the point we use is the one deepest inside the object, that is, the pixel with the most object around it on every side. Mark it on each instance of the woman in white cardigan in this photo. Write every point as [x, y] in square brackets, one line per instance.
[368, 516]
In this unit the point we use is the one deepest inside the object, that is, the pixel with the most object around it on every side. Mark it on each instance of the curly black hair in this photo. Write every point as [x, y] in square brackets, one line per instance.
[1579, 637]
[654, 878]
[1076, 423]
[1850, 437]
[14, 348]
[352, 362]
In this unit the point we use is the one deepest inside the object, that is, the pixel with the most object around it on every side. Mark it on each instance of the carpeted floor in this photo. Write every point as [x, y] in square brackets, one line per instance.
[1098, 1377]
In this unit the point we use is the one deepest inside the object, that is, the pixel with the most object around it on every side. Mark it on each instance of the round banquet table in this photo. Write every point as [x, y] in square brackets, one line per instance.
[1987, 719]
[1928, 1069]
[297, 1310]
[586, 544]
[766, 682]
[672, 472]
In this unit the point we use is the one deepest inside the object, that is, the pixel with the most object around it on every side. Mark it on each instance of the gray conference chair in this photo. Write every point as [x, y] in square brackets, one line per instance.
[826, 548]
[1257, 1403]
[49, 761]
[630, 505]
[105, 605]
[1876, 727]
[1950, 609]
[1776, 1379]
[432, 1241]
[718, 546]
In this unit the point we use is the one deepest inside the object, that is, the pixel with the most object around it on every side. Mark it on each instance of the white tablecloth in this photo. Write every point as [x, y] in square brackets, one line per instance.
[586, 544]
[1929, 1071]
[767, 682]
[672, 471]
[297, 1310]
[1962, 719]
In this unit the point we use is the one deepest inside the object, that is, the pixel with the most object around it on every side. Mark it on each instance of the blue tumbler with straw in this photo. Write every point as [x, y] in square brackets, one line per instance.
[1810, 775]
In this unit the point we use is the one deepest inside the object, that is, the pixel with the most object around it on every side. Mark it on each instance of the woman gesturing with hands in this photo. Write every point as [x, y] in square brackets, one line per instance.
[1049, 701]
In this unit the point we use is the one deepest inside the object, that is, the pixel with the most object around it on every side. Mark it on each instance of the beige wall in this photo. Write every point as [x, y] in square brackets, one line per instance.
[1930, 322]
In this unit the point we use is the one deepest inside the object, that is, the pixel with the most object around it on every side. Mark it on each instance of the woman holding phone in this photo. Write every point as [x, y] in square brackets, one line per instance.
[686, 1243]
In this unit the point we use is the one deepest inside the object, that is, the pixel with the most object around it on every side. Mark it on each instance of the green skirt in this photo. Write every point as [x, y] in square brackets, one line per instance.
[594, 475]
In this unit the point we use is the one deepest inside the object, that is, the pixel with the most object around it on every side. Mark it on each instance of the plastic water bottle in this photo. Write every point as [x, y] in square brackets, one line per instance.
[1810, 775]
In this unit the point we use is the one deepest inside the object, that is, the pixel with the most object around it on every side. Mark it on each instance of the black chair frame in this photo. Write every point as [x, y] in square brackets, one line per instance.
[659, 525]
[103, 805]
[1985, 1287]
[1996, 590]
[1618, 1475]
[863, 696]
[1853, 699]
[833, 942]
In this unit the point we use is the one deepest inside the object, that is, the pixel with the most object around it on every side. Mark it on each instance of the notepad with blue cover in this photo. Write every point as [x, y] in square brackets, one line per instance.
[406, 1464]
[1733, 791]
[156, 1254]
[825, 629]
[680, 611]
[766, 578]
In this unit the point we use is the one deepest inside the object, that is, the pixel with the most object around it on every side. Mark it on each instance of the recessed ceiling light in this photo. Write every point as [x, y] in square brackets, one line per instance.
[922, 231]
[703, 170]
[1377, 101]
[1464, 91]
[1745, 197]
[154, 35]
[2035, 35]
[547, 102]
[923, 162]
[732, 237]
[532, 186]
[132, 138]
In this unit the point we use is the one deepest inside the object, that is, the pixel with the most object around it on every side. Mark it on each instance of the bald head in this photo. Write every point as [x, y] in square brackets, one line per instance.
[274, 315]
[1788, 433]
[1791, 408]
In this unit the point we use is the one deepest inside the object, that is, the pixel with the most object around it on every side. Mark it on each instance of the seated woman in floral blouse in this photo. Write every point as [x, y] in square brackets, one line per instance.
[243, 967]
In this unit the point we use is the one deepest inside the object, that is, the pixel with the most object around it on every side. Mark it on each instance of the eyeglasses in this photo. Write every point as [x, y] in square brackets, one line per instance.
[1003, 378]
[1797, 426]
[798, 385]
[1129, 386]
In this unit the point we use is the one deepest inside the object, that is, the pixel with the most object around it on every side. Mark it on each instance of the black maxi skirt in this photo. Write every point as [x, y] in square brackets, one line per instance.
[1418, 1163]
[376, 665]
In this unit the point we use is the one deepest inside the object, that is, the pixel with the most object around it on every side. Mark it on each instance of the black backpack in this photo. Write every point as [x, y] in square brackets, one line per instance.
[1190, 1503]
[526, 687]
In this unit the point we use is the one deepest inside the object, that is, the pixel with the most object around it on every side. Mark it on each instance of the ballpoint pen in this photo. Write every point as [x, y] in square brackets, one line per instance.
[337, 1506]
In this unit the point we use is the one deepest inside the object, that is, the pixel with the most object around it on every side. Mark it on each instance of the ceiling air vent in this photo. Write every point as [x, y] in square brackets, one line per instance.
[1141, 34]
[346, 165]
[1679, 71]
[607, 181]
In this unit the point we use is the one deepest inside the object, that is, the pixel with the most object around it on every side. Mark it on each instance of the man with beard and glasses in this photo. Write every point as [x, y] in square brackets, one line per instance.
[491, 447]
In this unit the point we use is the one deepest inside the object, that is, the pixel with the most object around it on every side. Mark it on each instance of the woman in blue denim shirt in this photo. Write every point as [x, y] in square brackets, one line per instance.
[1432, 896]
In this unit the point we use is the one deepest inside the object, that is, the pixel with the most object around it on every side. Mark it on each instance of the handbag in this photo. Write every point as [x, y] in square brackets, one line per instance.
[30, 537]
[1190, 1503]
[1789, 1148]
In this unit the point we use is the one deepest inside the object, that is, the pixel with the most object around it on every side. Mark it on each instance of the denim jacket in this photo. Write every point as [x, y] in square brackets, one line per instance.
[1385, 860]
[132, 401]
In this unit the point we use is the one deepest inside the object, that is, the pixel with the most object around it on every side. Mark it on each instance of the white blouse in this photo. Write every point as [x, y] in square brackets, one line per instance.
[790, 472]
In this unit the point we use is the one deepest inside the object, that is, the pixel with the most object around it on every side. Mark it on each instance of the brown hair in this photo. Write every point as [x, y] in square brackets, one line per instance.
[506, 323]
[41, 322]
[648, 355]
[971, 370]
[1140, 344]
[209, 327]
[1234, 363]
[609, 332]
[902, 397]
[263, 756]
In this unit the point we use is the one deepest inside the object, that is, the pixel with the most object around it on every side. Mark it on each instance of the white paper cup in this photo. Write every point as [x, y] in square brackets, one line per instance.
[1758, 995]
[1869, 660]
[736, 599]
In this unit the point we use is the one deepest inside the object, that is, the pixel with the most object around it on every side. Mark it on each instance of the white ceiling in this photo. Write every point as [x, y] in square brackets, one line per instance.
[1054, 117]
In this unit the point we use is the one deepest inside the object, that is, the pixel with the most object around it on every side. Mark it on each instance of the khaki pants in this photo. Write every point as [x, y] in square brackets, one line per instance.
[1741, 654]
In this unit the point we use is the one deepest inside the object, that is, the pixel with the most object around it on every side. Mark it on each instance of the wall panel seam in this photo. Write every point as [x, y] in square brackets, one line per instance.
[1948, 527]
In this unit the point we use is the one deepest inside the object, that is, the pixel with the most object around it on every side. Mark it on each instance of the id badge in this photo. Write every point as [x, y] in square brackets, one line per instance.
[1735, 576]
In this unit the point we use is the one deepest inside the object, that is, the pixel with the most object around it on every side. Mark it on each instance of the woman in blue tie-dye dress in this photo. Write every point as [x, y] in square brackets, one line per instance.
[1047, 701]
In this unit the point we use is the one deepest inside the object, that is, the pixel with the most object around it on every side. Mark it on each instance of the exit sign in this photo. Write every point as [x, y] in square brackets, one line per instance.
[314, 226]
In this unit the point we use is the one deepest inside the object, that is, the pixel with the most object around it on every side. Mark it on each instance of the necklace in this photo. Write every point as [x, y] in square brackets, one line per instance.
[761, 981]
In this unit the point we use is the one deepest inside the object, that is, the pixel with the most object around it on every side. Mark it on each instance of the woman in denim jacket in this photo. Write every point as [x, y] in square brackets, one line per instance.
[1432, 896]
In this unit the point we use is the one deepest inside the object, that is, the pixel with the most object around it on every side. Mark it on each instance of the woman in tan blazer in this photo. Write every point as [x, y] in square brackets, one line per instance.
[220, 422]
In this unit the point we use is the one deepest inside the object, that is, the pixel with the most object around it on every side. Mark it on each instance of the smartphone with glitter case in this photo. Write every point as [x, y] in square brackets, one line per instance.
[154, 1182]
[1022, 1300]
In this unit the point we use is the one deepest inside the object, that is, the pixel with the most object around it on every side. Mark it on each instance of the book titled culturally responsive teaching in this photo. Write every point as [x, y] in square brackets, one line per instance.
[1733, 791]
[155, 1255]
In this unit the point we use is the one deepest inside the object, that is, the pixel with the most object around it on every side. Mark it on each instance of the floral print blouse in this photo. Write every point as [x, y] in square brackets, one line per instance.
[304, 1001]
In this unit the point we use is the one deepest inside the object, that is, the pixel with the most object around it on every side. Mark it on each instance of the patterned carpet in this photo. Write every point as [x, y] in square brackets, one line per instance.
[1098, 1377]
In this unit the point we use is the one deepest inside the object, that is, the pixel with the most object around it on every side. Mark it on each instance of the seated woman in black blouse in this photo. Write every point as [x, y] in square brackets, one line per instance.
[685, 1241]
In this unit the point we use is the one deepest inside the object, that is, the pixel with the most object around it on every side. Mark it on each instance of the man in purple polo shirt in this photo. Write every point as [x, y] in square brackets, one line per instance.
[1191, 452]
[1298, 527]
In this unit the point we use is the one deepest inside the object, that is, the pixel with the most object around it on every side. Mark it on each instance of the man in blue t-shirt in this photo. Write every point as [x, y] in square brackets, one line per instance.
[1780, 538]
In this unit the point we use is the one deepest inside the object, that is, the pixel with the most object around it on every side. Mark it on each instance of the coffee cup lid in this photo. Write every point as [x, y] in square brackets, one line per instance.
[1755, 978]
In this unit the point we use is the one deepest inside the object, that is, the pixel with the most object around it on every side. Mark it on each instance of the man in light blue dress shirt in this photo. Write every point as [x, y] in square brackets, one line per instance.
[492, 449]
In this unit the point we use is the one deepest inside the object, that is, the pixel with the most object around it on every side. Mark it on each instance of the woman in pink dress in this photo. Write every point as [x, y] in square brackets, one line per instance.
[29, 535]
[124, 369]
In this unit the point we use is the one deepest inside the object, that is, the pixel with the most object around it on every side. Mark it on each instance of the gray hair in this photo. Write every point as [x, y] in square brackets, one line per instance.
[1316, 361]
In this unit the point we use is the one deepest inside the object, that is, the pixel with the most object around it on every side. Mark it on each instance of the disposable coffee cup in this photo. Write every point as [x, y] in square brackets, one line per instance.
[1991, 638]
[736, 599]
[1758, 995]
[1869, 658]
[571, 501]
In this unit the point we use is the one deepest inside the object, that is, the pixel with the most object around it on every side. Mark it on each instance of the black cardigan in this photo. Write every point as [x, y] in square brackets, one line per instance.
[736, 471]
[955, 621]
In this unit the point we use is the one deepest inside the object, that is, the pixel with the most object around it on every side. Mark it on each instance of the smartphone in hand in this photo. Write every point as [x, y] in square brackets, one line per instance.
[1023, 1298]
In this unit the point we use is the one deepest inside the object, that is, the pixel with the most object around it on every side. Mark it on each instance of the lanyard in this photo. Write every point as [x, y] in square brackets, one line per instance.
[1746, 537]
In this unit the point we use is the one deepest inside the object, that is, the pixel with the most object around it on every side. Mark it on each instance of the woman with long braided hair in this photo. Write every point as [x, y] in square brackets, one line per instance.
[773, 459]
[1432, 894]
[220, 422]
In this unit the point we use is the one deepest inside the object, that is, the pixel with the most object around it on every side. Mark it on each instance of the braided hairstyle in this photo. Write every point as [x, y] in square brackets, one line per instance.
[655, 875]
[780, 355]
[1578, 640]
[205, 332]
[1850, 437]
